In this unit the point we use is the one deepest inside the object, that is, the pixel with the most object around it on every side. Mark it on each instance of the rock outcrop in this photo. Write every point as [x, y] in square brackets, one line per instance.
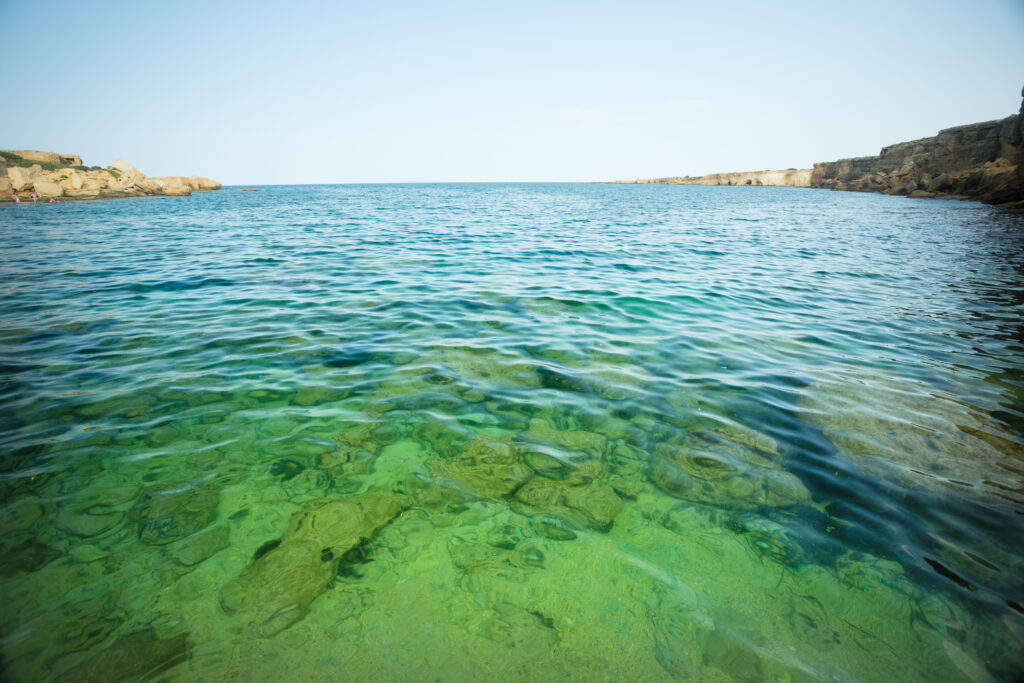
[789, 178]
[48, 157]
[63, 176]
[982, 161]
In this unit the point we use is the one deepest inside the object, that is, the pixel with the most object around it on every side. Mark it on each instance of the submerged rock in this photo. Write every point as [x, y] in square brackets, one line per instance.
[194, 549]
[592, 505]
[88, 522]
[482, 563]
[135, 657]
[27, 556]
[711, 467]
[169, 515]
[554, 529]
[446, 441]
[546, 465]
[275, 591]
[773, 541]
[541, 431]
[865, 572]
[562, 381]
[914, 436]
[19, 516]
[286, 469]
[487, 468]
[86, 619]
[520, 627]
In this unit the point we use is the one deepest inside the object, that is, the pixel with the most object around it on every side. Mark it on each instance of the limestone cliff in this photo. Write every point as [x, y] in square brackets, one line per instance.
[983, 161]
[63, 176]
[788, 178]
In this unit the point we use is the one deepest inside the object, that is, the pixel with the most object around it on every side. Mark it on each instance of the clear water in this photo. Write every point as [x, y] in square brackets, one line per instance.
[538, 432]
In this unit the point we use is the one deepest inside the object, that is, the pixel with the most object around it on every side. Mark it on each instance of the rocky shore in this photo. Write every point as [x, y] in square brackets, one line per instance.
[65, 177]
[981, 161]
[789, 178]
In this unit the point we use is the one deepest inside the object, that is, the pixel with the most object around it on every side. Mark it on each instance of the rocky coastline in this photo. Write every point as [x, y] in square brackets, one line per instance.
[792, 177]
[979, 161]
[63, 177]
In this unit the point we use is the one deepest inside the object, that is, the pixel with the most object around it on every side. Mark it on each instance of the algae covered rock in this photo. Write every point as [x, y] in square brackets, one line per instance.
[917, 437]
[773, 541]
[485, 564]
[487, 468]
[87, 618]
[542, 431]
[709, 467]
[554, 529]
[546, 465]
[520, 627]
[592, 505]
[137, 656]
[276, 589]
[194, 549]
[87, 522]
[496, 546]
[172, 514]
[27, 556]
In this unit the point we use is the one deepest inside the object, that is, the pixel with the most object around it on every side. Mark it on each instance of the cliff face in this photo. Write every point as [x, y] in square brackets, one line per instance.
[51, 175]
[983, 161]
[792, 178]
[789, 178]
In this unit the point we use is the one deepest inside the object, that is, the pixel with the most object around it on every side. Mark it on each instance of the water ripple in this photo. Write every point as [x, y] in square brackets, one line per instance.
[703, 432]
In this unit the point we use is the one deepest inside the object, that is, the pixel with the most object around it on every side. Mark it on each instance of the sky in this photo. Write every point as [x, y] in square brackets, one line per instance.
[387, 91]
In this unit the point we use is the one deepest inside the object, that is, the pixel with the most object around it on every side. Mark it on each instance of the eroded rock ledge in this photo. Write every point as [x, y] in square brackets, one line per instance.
[982, 161]
[64, 177]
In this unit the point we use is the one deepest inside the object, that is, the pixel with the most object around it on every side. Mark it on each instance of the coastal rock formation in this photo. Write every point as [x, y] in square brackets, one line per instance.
[789, 178]
[63, 176]
[48, 157]
[983, 161]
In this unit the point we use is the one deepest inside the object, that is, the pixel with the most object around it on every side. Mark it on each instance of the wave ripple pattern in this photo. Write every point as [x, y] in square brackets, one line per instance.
[535, 432]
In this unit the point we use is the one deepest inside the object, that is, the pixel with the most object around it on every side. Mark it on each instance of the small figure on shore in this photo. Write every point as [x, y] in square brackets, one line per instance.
[35, 197]
[17, 199]
[52, 200]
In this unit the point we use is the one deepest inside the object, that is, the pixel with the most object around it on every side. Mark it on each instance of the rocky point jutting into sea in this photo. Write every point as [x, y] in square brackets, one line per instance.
[63, 176]
[982, 161]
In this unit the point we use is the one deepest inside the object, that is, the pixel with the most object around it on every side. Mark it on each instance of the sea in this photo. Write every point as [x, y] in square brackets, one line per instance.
[523, 432]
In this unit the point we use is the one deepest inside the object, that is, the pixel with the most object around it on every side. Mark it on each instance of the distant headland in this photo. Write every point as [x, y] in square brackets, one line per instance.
[26, 175]
[982, 161]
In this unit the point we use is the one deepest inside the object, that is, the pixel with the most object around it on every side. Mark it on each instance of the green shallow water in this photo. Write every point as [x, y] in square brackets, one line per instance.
[535, 432]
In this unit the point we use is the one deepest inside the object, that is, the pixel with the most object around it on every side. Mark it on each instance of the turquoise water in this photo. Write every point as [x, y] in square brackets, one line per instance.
[541, 432]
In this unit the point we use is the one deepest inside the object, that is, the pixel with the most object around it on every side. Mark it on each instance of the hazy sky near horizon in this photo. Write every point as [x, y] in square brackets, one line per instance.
[332, 92]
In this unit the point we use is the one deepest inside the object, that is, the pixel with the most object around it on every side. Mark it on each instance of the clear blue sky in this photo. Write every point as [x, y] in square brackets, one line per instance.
[302, 92]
